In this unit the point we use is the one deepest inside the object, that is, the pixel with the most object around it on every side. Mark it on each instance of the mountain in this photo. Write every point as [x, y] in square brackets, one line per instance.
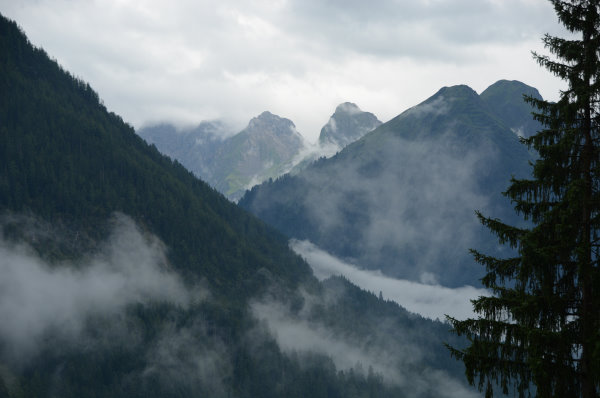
[267, 148]
[123, 275]
[505, 97]
[347, 124]
[402, 198]
[263, 150]
[231, 163]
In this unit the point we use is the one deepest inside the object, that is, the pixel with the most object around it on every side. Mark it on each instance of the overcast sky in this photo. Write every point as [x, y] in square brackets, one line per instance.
[193, 60]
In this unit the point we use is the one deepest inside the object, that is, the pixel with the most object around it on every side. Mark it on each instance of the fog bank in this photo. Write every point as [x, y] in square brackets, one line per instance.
[428, 298]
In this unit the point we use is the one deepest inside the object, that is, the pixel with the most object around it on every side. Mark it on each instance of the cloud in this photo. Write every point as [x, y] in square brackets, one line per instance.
[188, 61]
[332, 124]
[294, 333]
[189, 359]
[393, 351]
[427, 299]
[38, 298]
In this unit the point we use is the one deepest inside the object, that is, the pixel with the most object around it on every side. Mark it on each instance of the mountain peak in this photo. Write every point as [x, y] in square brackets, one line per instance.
[445, 101]
[267, 115]
[348, 108]
[510, 86]
[347, 124]
[267, 120]
[458, 91]
[505, 97]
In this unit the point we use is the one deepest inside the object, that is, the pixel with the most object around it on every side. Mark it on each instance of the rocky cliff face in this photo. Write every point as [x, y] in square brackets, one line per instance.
[346, 125]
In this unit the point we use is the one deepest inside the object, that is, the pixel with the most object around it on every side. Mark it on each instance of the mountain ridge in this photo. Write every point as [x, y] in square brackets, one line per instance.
[376, 202]
[505, 97]
[268, 147]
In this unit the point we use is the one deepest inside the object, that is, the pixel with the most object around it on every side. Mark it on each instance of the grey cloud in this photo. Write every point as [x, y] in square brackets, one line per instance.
[442, 27]
[427, 298]
[38, 298]
[188, 61]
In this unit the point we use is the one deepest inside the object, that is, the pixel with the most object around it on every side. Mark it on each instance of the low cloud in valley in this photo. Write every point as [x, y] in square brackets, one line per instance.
[427, 299]
[393, 351]
[38, 298]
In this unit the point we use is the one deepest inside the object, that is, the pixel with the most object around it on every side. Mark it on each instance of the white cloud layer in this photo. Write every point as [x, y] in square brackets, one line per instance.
[37, 298]
[429, 300]
[193, 60]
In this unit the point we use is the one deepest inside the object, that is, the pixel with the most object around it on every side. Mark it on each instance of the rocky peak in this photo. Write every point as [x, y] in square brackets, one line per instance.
[267, 122]
[347, 108]
[347, 124]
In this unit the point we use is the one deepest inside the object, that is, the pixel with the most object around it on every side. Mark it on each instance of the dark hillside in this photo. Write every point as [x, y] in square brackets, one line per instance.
[65, 158]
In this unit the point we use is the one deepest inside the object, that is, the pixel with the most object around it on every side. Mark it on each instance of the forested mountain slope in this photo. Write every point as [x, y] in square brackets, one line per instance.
[67, 158]
[125, 276]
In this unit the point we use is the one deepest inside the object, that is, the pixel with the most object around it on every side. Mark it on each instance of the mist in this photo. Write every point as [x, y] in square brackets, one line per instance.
[427, 299]
[393, 350]
[296, 333]
[188, 358]
[413, 210]
[39, 298]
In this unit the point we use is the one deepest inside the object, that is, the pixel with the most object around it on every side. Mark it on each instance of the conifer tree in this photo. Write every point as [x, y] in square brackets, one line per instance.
[540, 330]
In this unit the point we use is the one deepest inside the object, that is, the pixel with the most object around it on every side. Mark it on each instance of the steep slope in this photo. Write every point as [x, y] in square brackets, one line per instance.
[402, 198]
[125, 276]
[347, 124]
[505, 97]
[66, 158]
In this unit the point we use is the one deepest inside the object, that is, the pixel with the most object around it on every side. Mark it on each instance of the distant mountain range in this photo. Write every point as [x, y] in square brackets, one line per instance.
[267, 148]
[402, 198]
